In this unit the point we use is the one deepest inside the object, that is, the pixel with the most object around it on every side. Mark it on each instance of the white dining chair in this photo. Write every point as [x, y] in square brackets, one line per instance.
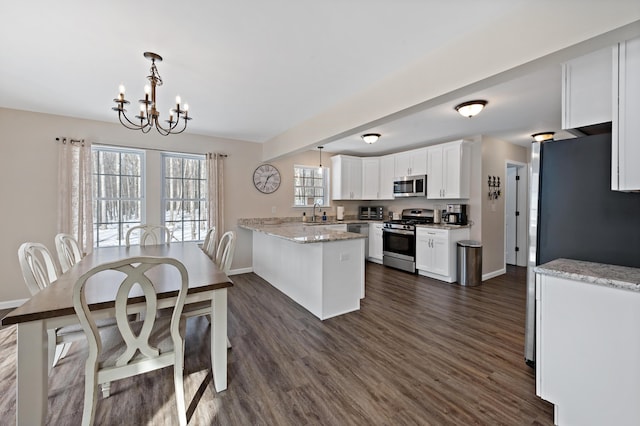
[225, 251]
[209, 243]
[149, 234]
[223, 259]
[136, 347]
[68, 251]
[39, 271]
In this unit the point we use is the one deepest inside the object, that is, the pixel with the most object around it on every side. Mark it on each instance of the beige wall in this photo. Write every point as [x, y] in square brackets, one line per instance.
[495, 155]
[28, 172]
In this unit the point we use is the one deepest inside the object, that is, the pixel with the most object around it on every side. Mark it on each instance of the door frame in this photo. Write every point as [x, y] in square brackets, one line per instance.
[522, 206]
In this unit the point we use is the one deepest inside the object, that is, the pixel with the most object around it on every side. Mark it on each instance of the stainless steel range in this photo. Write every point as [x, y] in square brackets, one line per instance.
[399, 239]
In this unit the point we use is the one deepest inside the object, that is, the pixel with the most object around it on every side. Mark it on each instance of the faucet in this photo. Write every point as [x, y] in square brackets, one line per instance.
[313, 218]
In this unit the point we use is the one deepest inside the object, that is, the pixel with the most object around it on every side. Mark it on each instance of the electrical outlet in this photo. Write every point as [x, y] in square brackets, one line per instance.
[273, 209]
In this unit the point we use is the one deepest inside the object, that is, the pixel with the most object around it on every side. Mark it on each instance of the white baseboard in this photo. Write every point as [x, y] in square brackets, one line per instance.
[9, 304]
[494, 274]
[240, 271]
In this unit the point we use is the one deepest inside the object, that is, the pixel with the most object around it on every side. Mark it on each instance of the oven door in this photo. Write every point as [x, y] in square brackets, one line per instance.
[399, 243]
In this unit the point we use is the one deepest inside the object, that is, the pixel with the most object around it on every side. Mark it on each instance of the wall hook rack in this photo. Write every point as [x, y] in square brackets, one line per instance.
[494, 187]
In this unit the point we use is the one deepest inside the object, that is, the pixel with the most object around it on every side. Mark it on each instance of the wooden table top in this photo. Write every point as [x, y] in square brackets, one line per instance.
[56, 300]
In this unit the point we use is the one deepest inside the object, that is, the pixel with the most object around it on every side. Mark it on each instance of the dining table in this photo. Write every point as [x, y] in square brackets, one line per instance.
[52, 308]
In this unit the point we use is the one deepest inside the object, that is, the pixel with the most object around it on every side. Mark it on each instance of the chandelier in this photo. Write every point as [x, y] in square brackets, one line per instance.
[149, 116]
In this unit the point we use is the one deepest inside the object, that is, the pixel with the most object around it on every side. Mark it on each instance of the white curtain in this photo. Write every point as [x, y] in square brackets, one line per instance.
[215, 185]
[75, 212]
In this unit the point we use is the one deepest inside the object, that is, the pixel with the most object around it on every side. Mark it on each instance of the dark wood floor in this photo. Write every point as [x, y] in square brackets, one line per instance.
[419, 352]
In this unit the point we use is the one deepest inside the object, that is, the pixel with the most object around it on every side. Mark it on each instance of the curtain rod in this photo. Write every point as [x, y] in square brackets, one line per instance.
[71, 141]
[81, 141]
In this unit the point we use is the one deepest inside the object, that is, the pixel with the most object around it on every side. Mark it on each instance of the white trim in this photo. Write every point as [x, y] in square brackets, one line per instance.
[494, 274]
[240, 271]
[525, 211]
[12, 303]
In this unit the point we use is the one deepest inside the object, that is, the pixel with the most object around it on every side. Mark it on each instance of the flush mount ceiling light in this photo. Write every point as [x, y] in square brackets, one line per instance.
[370, 137]
[471, 108]
[543, 136]
[149, 116]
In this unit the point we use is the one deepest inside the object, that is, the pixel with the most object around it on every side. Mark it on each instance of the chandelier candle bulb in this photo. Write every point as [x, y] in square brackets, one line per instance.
[178, 101]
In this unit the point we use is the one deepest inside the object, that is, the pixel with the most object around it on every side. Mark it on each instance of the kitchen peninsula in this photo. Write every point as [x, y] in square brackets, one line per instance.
[588, 341]
[319, 268]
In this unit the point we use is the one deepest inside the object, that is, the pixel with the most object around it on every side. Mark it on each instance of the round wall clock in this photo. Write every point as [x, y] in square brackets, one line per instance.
[266, 178]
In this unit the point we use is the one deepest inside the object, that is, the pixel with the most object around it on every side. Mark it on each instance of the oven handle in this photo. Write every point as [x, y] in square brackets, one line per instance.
[398, 231]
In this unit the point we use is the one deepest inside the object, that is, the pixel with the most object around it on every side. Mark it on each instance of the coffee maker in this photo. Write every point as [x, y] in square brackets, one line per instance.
[456, 214]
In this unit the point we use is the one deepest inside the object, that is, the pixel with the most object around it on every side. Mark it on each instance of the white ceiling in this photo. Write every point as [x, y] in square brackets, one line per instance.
[252, 69]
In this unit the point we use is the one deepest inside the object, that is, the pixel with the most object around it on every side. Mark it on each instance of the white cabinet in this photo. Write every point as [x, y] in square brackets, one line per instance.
[377, 177]
[625, 150]
[387, 173]
[431, 251]
[448, 171]
[436, 252]
[375, 242]
[587, 351]
[346, 177]
[586, 89]
[370, 178]
[411, 163]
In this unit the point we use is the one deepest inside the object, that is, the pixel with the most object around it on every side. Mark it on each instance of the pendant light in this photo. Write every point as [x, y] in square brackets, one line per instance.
[320, 166]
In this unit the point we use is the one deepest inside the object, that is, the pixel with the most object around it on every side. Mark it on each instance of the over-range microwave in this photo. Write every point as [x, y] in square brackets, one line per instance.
[410, 186]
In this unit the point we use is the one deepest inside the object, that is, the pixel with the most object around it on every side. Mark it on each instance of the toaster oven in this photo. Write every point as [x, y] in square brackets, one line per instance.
[370, 213]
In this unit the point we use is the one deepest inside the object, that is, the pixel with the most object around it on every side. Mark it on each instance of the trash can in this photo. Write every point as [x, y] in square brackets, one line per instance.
[469, 263]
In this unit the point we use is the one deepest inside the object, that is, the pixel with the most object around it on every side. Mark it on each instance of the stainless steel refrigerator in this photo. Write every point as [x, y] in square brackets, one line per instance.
[574, 213]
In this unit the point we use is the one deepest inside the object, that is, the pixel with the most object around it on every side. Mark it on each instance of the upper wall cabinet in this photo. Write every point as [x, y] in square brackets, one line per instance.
[387, 173]
[370, 178]
[586, 90]
[377, 178]
[625, 152]
[449, 170]
[411, 163]
[346, 177]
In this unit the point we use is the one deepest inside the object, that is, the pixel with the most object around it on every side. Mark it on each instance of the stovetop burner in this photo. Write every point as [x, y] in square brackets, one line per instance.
[411, 218]
[420, 221]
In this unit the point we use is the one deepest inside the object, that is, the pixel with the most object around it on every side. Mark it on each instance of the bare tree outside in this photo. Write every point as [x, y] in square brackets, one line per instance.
[185, 196]
[117, 193]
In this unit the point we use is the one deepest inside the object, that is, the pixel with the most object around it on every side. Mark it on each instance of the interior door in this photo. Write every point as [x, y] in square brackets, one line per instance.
[511, 206]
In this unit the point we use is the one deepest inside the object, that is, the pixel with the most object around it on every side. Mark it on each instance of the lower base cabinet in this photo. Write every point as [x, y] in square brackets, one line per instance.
[436, 253]
[587, 351]
[375, 242]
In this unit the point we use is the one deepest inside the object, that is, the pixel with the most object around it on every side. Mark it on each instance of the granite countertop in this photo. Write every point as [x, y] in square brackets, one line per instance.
[303, 233]
[622, 277]
[442, 226]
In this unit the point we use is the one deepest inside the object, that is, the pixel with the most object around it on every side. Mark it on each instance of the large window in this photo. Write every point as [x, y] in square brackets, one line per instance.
[184, 197]
[118, 193]
[310, 186]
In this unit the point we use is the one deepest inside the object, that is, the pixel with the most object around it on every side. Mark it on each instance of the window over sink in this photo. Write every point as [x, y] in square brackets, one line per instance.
[310, 186]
